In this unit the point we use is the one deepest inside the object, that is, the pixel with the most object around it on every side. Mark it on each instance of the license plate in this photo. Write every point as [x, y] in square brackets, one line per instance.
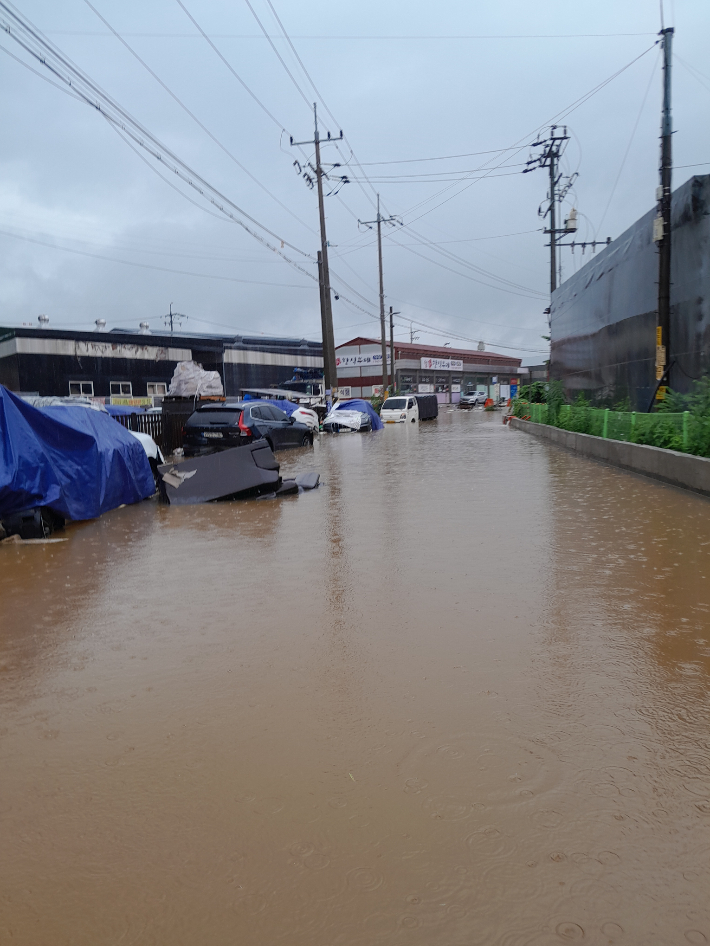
[214, 434]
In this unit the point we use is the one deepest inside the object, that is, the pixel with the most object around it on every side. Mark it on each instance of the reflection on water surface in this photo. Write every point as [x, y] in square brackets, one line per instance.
[459, 694]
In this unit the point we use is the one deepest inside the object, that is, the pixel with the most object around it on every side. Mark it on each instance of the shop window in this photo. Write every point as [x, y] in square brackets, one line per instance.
[79, 388]
[121, 389]
[157, 389]
[424, 379]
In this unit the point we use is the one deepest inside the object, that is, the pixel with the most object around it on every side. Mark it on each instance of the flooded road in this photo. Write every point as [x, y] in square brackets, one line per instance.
[457, 695]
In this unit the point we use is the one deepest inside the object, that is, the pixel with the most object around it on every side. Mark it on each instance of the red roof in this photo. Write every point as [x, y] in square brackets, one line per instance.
[402, 349]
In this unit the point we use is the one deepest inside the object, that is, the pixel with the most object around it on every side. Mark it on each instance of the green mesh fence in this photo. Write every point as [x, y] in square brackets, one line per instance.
[656, 430]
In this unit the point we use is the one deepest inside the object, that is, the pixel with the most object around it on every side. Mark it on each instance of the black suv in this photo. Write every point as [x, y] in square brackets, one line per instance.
[224, 424]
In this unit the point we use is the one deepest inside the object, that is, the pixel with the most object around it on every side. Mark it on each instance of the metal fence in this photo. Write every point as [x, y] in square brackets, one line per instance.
[166, 430]
[656, 430]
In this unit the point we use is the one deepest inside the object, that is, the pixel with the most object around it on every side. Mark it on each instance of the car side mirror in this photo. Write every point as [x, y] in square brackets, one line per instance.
[291, 420]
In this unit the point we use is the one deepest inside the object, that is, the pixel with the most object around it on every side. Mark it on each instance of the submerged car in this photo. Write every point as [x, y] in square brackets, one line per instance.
[354, 414]
[472, 398]
[220, 425]
[398, 410]
[340, 420]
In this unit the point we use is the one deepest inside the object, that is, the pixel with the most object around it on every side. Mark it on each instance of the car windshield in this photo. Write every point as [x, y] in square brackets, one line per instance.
[394, 404]
[207, 418]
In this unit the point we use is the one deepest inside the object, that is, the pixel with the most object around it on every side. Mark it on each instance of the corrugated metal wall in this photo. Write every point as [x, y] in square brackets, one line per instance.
[603, 318]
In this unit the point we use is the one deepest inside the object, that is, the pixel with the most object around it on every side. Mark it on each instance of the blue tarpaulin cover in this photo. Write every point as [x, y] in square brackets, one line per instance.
[77, 461]
[356, 404]
[288, 407]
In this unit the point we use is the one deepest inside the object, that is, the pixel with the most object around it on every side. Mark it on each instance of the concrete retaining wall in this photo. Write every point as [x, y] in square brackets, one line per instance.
[678, 469]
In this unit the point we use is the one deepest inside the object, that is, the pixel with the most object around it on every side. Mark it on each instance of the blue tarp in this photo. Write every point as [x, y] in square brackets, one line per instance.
[286, 406]
[358, 405]
[75, 460]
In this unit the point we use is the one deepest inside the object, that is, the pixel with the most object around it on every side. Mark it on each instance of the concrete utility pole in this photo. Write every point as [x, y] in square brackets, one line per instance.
[323, 322]
[392, 381]
[383, 333]
[552, 150]
[171, 317]
[329, 369]
[553, 232]
[662, 224]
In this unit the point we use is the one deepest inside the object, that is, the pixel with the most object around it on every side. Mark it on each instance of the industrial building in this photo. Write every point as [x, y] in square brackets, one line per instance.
[129, 366]
[426, 369]
[603, 318]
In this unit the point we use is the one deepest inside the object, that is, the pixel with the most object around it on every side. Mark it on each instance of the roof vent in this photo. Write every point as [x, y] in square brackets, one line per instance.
[481, 346]
[100, 325]
[43, 320]
[144, 328]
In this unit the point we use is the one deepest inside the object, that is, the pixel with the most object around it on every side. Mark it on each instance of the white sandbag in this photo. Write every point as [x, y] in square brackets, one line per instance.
[189, 380]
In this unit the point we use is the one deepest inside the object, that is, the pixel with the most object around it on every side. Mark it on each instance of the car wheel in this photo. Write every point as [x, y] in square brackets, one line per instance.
[307, 441]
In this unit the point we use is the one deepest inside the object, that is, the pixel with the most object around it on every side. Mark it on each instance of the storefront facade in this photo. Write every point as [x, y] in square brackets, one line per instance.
[423, 369]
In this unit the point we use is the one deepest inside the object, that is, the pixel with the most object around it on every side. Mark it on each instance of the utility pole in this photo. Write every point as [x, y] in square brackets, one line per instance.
[323, 322]
[392, 378]
[552, 150]
[553, 233]
[171, 317]
[329, 369]
[662, 227]
[392, 384]
[383, 333]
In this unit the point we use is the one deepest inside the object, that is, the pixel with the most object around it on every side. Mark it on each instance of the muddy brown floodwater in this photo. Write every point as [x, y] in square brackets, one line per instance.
[458, 695]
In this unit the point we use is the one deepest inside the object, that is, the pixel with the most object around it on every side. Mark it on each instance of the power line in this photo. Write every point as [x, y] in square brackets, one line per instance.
[138, 248]
[574, 105]
[628, 148]
[558, 117]
[278, 54]
[526, 293]
[452, 257]
[162, 269]
[458, 36]
[461, 318]
[194, 117]
[414, 179]
[42, 77]
[67, 72]
[227, 64]
[442, 157]
[695, 73]
[317, 92]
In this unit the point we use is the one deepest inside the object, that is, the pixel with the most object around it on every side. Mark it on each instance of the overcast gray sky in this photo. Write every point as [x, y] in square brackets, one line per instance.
[405, 81]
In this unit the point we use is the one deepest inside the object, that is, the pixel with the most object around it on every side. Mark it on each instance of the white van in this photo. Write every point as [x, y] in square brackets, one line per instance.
[398, 410]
